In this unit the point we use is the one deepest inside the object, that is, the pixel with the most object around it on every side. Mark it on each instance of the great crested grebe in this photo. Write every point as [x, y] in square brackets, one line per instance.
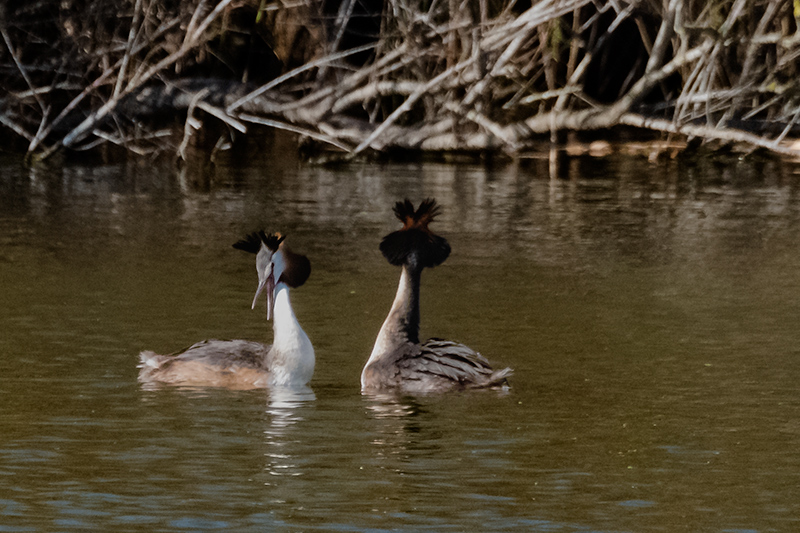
[288, 362]
[398, 360]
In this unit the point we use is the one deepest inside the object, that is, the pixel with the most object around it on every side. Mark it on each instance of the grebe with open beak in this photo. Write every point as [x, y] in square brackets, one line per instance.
[288, 362]
[398, 360]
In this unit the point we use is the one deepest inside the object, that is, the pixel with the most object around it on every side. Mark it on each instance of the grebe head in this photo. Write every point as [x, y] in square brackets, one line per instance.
[274, 261]
[415, 244]
[290, 268]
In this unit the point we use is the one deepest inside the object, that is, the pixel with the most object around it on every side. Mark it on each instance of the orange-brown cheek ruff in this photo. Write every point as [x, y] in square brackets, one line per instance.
[415, 245]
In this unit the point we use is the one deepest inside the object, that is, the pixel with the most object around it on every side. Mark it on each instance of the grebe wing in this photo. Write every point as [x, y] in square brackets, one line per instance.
[223, 354]
[226, 353]
[458, 363]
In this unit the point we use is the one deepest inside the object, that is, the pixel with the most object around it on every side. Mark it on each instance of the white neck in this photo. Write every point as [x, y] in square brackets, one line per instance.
[291, 359]
[395, 331]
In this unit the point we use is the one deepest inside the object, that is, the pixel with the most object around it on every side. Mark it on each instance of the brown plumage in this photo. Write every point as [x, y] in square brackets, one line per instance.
[298, 268]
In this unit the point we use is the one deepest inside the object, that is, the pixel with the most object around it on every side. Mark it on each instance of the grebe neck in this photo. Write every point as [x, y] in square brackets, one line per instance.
[284, 320]
[402, 324]
[291, 359]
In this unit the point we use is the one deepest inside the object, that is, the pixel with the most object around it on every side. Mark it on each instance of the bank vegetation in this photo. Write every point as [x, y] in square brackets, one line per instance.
[356, 77]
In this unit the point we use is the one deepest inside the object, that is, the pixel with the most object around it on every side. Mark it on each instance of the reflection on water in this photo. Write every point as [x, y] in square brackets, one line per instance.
[285, 411]
[391, 406]
[398, 425]
[647, 310]
[284, 401]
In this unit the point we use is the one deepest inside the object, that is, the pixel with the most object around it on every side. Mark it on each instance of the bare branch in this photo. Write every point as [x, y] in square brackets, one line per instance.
[295, 129]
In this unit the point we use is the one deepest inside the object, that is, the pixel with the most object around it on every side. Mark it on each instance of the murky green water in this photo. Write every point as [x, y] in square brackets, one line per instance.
[650, 312]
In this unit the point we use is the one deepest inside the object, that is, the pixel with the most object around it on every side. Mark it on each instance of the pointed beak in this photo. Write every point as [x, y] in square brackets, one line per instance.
[267, 283]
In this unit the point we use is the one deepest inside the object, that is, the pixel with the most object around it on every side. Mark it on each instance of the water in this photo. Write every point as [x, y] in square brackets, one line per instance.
[649, 312]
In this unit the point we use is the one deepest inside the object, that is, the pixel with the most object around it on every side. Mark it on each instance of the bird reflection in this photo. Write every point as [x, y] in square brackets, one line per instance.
[402, 429]
[285, 411]
[284, 403]
[392, 406]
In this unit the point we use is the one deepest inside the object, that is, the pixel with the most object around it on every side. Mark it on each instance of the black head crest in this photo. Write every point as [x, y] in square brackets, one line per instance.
[417, 218]
[415, 240]
[251, 243]
[272, 241]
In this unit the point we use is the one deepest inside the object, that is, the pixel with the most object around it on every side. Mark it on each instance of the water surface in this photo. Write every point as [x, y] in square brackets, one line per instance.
[649, 311]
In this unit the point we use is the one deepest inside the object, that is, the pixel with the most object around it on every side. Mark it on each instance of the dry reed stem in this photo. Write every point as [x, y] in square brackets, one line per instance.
[192, 40]
[459, 79]
[191, 123]
[98, 82]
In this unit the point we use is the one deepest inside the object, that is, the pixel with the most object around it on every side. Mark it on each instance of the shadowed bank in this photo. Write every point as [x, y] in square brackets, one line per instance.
[387, 77]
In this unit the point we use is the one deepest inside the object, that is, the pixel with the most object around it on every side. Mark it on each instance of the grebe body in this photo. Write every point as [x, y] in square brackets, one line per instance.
[288, 362]
[399, 361]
